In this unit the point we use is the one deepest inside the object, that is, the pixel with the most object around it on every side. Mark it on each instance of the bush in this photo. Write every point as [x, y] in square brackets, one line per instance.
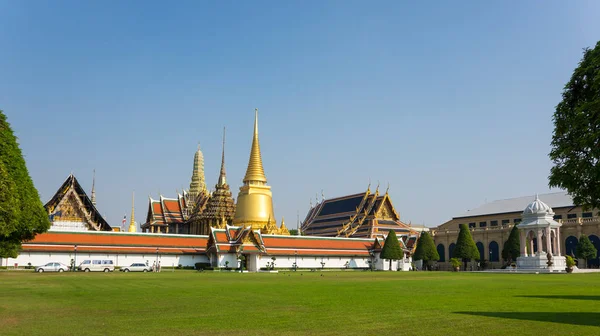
[570, 261]
[202, 265]
[455, 262]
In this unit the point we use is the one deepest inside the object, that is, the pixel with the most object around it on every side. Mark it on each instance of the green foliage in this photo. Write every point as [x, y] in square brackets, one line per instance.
[585, 249]
[575, 146]
[22, 214]
[570, 261]
[293, 232]
[455, 262]
[426, 250]
[391, 248]
[512, 246]
[465, 246]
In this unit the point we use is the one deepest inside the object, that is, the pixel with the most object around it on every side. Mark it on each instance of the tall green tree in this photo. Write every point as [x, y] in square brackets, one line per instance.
[465, 246]
[391, 248]
[585, 249]
[22, 214]
[512, 246]
[426, 250]
[576, 141]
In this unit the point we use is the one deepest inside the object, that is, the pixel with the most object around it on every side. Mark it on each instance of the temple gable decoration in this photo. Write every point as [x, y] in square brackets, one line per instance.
[70, 209]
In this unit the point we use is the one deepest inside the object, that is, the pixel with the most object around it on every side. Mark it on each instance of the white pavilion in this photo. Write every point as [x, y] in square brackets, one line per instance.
[538, 224]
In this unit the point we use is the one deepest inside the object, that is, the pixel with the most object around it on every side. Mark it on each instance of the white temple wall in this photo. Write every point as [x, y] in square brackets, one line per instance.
[119, 259]
[287, 261]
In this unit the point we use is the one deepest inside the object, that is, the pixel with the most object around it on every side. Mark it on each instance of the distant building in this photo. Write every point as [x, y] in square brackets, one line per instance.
[490, 226]
[362, 215]
[70, 209]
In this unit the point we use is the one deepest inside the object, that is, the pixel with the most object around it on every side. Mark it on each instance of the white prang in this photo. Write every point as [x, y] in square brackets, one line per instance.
[538, 223]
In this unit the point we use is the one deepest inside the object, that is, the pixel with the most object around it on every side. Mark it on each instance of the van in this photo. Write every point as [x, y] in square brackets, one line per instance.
[97, 266]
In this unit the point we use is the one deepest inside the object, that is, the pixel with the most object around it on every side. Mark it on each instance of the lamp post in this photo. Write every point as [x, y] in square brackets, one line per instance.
[372, 256]
[75, 259]
[295, 261]
[156, 267]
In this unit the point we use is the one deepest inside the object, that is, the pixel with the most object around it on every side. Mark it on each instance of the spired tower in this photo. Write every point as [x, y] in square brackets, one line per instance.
[220, 207]
[198, 183]
[255, 204]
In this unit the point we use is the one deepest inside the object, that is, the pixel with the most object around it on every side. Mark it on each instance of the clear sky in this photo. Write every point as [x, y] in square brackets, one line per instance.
[450, 102]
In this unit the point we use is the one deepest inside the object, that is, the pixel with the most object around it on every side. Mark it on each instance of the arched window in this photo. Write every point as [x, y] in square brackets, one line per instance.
[596, 241]
[441, 252]
[494, 255]
[451, 250]
[570, 244]
[480, 248]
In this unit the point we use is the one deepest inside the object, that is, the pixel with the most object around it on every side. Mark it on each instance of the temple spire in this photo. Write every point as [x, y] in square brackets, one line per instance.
[222, 175]
[255, 171]
[198, 184]
[93, 188]
[132, 227]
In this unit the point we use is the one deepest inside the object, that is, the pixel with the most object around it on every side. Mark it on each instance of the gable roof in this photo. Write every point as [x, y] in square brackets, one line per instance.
[355, 215]
[554, 200]
[71, 183]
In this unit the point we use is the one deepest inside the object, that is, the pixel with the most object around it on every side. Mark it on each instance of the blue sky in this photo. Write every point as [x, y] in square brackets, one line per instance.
[449, 102]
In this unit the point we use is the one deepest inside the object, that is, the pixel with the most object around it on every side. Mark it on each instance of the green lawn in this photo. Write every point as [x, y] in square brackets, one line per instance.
[335, 303]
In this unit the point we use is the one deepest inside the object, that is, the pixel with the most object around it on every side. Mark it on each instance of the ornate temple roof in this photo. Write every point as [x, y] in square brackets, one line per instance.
[72, 198]
[358, 215]
[165, 211]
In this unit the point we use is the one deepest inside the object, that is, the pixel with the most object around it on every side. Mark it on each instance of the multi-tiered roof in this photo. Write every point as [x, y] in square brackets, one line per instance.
[362, 215]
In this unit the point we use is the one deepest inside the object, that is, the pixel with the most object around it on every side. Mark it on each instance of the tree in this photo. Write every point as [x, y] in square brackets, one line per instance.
[512, 246]
[293, 232]
[585, 249]
[576, 141]
[22, 214]
[465, 246]
[391, 248]
[426, 250]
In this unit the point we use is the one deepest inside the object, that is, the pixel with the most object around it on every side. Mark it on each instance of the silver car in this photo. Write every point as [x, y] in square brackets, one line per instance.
[52, 267]
[136, 267]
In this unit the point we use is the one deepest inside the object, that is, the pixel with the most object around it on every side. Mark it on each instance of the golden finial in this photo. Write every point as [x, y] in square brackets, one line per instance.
[388, 188]
[222, 177]
[322, 195]
[255, 171]
[132, 222]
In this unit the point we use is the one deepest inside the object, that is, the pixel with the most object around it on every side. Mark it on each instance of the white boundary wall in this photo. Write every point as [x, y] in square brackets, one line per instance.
[119, 259]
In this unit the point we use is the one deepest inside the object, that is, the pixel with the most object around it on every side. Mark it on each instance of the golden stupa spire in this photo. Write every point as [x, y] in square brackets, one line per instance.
[255, 171]
[93, 188]
[222, 175]
[132, 222]
[255, 201]
[198, 184]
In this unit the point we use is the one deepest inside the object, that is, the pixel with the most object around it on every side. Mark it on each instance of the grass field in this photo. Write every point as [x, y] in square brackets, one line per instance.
[302, 303]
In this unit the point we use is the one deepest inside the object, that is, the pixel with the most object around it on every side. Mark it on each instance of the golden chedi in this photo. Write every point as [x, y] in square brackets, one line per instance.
[254, 203]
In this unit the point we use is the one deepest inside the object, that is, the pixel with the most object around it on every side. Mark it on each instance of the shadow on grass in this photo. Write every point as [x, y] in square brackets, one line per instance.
[583, 319]
[564, 297]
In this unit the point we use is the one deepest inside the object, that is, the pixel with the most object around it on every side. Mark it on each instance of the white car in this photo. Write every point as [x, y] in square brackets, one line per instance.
[136, 267]
[52, 267]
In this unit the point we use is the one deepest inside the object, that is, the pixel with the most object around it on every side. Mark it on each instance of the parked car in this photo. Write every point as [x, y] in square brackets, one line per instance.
[52, 267]
[137, 267]
[97, 266]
